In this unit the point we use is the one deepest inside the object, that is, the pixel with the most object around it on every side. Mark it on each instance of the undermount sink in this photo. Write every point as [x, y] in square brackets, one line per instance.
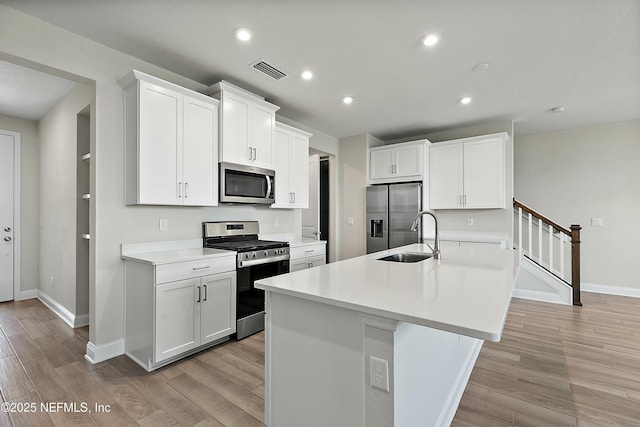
[406, 257]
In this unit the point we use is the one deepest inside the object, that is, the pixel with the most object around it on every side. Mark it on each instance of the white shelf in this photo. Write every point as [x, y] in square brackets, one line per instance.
[86, 236]
[86, 157]
[86, 196]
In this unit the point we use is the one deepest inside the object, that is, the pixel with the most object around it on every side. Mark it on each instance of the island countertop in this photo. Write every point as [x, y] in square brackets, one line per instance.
[467, 291]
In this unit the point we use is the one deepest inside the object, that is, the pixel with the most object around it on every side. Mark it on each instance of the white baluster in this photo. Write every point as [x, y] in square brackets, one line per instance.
[550, 247]
[520, 228]
[540, 240]
[562, 237]
[530, 235]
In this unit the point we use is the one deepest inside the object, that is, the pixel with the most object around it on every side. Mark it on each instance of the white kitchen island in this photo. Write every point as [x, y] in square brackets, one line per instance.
[427, 320]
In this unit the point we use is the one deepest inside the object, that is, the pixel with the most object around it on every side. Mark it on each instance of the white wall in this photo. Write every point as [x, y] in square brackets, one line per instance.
[579, 174]
[31, 42]
[352, 170]
[29, 186]
[58, 151]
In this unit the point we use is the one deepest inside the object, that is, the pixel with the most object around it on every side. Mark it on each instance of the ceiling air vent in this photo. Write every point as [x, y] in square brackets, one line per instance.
[268, 69]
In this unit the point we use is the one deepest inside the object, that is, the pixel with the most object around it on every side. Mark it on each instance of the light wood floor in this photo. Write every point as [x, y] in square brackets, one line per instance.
[555, 366]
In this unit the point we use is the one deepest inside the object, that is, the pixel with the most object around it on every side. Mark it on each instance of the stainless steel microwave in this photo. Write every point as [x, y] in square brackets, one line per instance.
[246, 184]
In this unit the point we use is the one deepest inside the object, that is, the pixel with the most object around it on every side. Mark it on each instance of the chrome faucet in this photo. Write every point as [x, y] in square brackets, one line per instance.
[414, 227]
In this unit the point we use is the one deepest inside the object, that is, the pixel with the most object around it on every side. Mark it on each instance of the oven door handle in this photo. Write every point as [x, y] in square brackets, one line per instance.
[249, 263]
[268, 186]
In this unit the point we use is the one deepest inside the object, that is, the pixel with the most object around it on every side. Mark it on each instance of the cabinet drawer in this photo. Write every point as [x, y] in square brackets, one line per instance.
[307, 251]
[190, 269]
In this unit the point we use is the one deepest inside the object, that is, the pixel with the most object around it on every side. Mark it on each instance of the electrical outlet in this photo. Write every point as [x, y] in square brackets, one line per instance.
[349, 221]
[164, 224]
[470, 222]
[53, 282]
[379, 373]
[597, 222]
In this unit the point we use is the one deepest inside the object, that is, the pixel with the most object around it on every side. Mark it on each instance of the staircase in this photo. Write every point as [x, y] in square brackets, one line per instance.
[551, 267]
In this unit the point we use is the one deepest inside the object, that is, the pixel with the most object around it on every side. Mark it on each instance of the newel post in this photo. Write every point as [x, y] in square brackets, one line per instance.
[575, 263]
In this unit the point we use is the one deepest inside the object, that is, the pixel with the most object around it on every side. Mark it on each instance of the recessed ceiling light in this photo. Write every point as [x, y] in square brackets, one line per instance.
[307, 75]
[430, 40]
[465, 100]
[243, 34]
[348, 99]
[558, 109]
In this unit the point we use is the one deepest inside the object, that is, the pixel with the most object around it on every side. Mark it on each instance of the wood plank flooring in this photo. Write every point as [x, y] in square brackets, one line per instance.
[555, 366]
[559, 366]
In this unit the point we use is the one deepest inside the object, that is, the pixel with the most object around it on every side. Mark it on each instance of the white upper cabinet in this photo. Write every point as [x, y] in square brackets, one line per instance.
[247, 125]
[397, 162]
[291, 163]
[468, 173]
[171, 143]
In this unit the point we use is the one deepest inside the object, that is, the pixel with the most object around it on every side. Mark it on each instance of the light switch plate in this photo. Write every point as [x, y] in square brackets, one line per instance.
[164, 223]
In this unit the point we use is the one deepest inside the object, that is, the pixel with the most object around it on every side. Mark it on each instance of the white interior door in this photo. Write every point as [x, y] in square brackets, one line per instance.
[7, 198]
[311, 216]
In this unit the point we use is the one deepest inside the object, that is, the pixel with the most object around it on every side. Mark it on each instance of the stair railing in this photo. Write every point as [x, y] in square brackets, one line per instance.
[546, 243]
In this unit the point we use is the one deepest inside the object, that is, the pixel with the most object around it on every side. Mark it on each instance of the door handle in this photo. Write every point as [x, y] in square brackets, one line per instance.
[205, 292]
[250, 153]
[255, 155]
[186, 189]
[180, 189]
[199, 294]
[7, 239]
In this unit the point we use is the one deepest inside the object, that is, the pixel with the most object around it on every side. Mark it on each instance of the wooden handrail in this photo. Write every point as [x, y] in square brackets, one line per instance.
[574, 233]
[540, 216]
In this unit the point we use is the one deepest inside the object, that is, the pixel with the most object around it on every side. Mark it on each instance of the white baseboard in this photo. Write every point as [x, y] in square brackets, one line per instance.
[610, 290]
[74, 321]
[28, 294]
[100, 353]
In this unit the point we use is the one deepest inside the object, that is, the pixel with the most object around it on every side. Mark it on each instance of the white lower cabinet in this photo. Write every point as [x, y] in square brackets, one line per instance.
[307, 256]
[175, 309]
[194, 312]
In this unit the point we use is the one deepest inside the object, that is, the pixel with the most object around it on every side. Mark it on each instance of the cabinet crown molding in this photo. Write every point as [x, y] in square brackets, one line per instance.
[134, 75]
[223, 86]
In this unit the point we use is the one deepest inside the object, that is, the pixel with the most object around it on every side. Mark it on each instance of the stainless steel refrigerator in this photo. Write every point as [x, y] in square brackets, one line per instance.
[391, 209]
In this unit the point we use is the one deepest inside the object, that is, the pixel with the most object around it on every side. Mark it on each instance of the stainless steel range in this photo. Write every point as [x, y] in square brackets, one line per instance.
[256, 260]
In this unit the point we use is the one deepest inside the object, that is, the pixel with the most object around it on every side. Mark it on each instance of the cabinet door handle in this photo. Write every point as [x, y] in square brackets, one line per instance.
[464, 200]
[205, 292]
[310, 265]
[294, 197]
[309, 250]
[201, 268]
[179, 188]
[255, 155]
[199, 294]
[186, 190]
[250, 153]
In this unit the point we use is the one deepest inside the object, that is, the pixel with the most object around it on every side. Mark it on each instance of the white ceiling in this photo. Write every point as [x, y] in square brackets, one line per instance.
[580, 54]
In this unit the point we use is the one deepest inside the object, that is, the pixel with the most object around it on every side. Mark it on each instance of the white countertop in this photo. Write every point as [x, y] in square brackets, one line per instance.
[292, 239]
[178, 255]
[467, 292]
[305, 242]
